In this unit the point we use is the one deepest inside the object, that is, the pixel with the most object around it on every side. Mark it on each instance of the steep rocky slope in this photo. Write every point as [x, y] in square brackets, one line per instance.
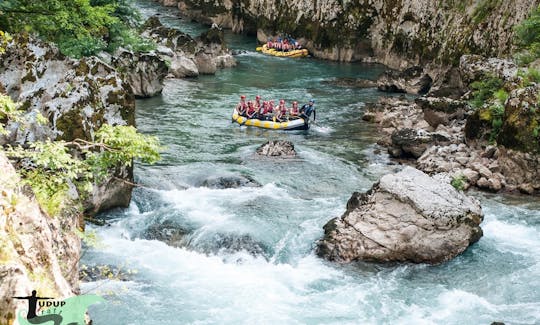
[397, 33]
[37, 252]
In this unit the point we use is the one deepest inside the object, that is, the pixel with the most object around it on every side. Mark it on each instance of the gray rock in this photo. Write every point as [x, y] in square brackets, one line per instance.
[413, 142]
[230, 244]
[477, 67]
[182, 67]
[168, 232]
[407, 216]
[440, 110]
[144, 72]
[412, 80]
[76, 96]
[279, 148]
[235, 181]
[526, 188]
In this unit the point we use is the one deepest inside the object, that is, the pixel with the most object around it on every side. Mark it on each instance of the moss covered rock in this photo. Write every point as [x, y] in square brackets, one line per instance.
[521, 123]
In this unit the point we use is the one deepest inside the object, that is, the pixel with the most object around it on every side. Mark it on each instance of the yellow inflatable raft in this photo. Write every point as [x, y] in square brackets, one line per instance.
[293, 124]
[290, 54]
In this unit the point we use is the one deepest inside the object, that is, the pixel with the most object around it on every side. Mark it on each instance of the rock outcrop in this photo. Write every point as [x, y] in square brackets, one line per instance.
[520, 129]
[279, 148]
[75, 96]
[37, 252]
[187, 56]
[399, 34]
[412, 80]
[405, 217]
[144, 72]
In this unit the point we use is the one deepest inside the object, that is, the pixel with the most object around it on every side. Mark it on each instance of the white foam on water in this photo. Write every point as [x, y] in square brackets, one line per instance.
[321, 129]
[203, 204]
[515, 238]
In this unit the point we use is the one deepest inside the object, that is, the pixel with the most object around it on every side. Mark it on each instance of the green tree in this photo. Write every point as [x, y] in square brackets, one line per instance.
[79, 27]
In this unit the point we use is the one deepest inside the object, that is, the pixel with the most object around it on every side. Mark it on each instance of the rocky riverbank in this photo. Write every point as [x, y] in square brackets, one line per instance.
[442, 135]
[177, 55]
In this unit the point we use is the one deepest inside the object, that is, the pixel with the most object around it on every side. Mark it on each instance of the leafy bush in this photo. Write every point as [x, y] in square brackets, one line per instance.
[527, 38]
[458, 182]
[483, 90]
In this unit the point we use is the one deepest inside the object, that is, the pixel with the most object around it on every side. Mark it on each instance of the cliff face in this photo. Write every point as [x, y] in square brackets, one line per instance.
[37, 252]
[76, 96]
[398, 33]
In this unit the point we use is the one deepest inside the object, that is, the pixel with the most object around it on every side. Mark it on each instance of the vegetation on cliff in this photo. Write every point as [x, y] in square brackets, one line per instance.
[51, 168]
[528, 38]
[79, 27]
[510, 109]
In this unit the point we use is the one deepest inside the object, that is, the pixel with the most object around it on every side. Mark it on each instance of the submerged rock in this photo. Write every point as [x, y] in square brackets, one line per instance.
[235, 181]
[230, 244]
[168, 232]
[351, 82]
[279, 148]
[412, 80]
[405, 217]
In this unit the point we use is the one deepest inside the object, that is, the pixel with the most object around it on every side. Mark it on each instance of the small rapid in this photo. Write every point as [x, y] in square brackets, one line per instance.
[212, 254]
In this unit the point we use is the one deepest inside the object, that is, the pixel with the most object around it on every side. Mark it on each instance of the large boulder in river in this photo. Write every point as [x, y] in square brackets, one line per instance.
[412, 80]
[279, 148]
[407, 216]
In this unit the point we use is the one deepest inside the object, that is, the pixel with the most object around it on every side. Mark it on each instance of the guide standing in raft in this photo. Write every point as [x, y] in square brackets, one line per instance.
[307, 109]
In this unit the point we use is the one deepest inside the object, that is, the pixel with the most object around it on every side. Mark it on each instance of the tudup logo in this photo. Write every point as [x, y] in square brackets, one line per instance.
[61, 312]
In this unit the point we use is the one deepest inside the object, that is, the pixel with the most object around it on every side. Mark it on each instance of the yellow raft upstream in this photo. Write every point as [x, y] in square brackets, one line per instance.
[294, 124]
[290, 54]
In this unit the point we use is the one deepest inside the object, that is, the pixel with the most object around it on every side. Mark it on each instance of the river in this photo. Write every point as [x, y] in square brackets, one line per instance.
[246, 255]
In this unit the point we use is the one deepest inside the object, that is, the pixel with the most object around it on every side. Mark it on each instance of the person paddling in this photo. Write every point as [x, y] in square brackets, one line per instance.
[294, 109]
[307, 109]
[241, 108]
[250, 110]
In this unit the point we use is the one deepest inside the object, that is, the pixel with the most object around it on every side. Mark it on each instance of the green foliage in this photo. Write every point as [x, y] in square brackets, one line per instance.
[527, 38]
[529, 76]
[501, 95]
[458, 182]
[483, 90]
[8, 111]
[4, 40]
[79, 27]
[50, 167]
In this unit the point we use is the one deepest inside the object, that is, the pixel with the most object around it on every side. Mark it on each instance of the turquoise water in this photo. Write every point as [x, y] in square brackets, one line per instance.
[247, 253]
